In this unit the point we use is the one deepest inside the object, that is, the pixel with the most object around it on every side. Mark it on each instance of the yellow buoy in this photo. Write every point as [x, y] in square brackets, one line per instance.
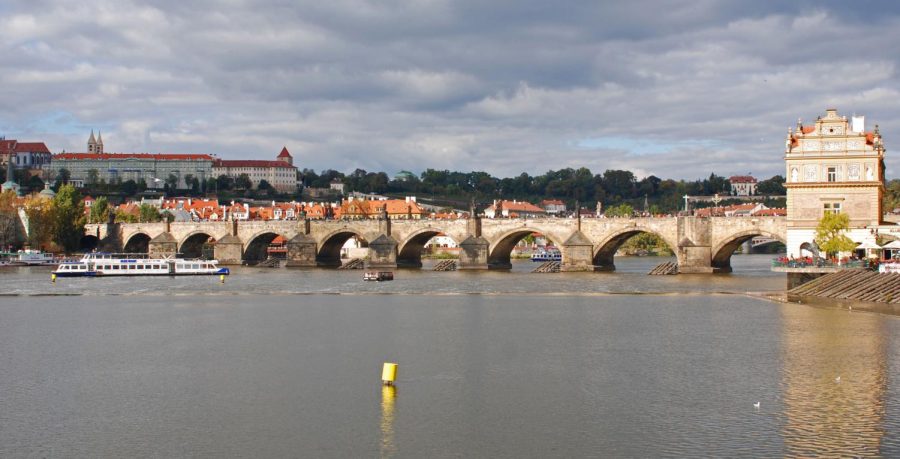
[389, 373]
[53, 277]
[222, 278]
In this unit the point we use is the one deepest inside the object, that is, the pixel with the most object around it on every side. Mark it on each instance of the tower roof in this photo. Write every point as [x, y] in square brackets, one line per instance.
[92, 139]
[284, 153]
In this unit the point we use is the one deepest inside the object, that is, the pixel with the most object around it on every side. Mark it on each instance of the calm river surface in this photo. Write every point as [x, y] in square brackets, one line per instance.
[287, 363]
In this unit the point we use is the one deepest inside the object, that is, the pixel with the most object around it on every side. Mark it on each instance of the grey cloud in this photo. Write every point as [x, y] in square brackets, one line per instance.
[500, 86]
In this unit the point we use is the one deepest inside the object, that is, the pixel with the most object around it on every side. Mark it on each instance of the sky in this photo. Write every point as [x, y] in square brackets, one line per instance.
[676, 89]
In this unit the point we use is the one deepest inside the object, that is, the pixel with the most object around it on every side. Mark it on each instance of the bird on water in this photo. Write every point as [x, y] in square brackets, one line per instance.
[756, 405]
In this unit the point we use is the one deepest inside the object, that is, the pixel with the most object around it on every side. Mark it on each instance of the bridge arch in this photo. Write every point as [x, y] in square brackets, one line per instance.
[192, 244]
[501, 248]
[256, 249]
[721, 252]
[88, 243]
[605, 251]
[329, 252]
[409, 251]
[137, 243]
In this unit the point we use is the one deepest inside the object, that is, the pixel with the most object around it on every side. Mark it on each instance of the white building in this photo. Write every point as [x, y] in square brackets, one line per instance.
[742, 185]
[281, 173]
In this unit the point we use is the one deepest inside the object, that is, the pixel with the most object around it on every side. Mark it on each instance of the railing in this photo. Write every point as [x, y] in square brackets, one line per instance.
[821, 263]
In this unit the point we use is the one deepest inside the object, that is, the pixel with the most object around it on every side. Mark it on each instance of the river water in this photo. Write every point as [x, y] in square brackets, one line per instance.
[287, 363]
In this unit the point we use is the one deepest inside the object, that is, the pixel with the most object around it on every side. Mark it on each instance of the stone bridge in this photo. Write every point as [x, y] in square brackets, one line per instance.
[701, 245]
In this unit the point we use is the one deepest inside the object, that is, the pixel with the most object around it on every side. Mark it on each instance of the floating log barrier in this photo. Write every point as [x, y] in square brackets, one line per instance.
[445, 265]
[664, 269]
[852, 287]
[355, 263]
[547, 267]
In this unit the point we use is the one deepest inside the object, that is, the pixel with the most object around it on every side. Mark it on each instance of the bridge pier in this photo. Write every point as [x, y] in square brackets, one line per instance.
[577, 253]
[694, 247]
[163, 245]
[229, 250]
[383, 252]
[302, 249]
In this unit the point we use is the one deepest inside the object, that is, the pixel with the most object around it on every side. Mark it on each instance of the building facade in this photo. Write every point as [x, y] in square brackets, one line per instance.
[281, 174]
[25, 155]
[742, 185]
[834, 165]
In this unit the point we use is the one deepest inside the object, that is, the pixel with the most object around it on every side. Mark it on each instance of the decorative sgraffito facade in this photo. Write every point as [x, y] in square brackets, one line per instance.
[834, 165]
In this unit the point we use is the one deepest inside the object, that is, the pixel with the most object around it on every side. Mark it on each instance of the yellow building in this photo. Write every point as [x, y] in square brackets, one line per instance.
[834, 165]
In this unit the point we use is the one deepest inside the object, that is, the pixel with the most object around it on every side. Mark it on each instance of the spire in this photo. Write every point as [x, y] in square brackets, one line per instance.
[99, 138]
[92, 139]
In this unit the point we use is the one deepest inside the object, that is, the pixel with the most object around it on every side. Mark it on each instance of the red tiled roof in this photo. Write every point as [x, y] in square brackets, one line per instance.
[250, 163]
[742, 179]
[284, 153]
[32, 147]
[156, 156]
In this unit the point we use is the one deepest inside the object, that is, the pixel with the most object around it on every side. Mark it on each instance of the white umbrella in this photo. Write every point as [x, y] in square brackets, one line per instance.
[892, 245]
[869, 245]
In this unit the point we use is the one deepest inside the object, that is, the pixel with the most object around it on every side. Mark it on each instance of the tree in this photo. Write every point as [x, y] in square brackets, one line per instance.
[263, 185]
[771, 187]
[622, 210]
[93, 176]
[99, 210]
[9, 220]
[243, 182]
[40, 222]
[63, 176]
[68, 218]
[830, 235]
[129, 187]
[35, 183]
[172, 182]
[149, 214]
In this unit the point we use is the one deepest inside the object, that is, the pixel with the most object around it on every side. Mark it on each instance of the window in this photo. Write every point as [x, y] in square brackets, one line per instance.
[832, 207]
[832, 174]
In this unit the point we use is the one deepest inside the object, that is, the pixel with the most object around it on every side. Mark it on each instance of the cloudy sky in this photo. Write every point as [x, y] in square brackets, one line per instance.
[677, 89]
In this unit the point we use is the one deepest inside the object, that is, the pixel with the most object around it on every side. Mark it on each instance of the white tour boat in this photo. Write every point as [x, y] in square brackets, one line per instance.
[118, 264]
[35, 258]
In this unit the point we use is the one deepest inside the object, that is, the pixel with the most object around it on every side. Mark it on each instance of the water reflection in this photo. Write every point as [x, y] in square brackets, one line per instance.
[388, 396]
[835, 379]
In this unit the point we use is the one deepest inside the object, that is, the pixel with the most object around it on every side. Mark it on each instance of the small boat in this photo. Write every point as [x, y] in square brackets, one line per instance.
[115, 264]
[31, 257]
[548, 254]
[378, 276]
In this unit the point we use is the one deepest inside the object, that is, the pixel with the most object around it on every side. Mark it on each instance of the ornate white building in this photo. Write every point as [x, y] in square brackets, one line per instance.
[834, 165]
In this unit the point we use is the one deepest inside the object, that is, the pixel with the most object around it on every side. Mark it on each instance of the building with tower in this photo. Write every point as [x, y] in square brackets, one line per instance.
[154, 169]
[833, 165]
[33, 156]
[281, 174]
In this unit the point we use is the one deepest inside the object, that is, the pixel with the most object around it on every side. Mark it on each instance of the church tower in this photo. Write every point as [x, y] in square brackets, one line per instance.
[285, 156]
[95, 145]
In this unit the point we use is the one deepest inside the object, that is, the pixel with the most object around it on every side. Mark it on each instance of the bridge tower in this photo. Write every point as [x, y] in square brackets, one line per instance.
[832, 166]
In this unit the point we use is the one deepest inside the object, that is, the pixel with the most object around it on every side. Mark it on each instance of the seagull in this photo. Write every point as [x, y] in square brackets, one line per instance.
[756, 405]
[838, 379]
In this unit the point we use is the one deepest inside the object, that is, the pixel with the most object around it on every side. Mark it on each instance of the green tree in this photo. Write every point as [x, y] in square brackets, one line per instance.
[149, 213]
[63, 176]
[621, 210]
[263, 185]
[243, 182]
[129, 187]
[68, 218]
[93, 176]
[830, 235]
[172, 182]
[99, 210]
